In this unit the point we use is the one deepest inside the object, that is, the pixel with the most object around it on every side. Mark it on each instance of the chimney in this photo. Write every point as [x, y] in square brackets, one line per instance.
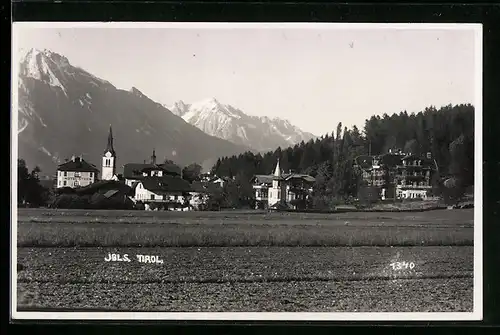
[153, 158]
[429, 155]
[73, 158]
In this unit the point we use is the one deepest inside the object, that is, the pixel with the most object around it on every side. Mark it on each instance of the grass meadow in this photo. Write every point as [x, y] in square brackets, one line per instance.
[185, 229]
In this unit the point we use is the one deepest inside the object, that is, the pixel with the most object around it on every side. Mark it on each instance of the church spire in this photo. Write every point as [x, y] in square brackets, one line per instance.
[109, 147]
[277, 171]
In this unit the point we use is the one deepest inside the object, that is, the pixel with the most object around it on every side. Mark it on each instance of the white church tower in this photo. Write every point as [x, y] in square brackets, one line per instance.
[109, 159]
[276, 191]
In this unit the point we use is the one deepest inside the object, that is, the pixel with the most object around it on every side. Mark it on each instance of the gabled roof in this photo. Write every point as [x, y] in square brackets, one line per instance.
[165, 184]
[77, 165]
[135, 170]
[263, 179]
[305, 177]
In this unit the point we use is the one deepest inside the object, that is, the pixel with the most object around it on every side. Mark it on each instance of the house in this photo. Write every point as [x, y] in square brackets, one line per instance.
[76, 173]
[135, 172]
[220, 181]
[397, 174]
[261, 185]
[200, 193]
[287, 189]
[413, 177]
[163, 192]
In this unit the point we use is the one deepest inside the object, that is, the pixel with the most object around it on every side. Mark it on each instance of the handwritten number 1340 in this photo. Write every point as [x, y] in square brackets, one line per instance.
[402, 265]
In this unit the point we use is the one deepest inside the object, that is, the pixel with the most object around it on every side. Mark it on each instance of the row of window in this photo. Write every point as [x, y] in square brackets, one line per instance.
[415, 163]
[76, 183]
[161, 197]
[412, 196]
[75, 174]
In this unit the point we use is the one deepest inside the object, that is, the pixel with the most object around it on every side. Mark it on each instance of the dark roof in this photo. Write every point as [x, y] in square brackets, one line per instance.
[134, 170]
[262, 179]
[104, 186]
[110, 193]
[171, 168]
[165, 184]
[305, 177]
[390, 160]
[78, 165]
[204, 187]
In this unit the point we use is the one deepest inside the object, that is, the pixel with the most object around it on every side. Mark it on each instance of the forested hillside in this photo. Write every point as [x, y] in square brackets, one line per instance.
[448, 133]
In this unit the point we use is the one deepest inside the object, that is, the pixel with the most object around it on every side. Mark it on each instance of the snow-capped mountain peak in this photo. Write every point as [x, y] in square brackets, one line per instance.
[230, 123]
[45, 65]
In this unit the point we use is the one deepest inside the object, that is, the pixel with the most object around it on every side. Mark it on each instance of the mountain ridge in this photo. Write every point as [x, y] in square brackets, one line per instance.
[224, 121]
[65, 110]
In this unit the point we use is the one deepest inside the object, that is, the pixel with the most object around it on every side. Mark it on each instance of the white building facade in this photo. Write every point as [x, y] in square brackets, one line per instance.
[76, 173]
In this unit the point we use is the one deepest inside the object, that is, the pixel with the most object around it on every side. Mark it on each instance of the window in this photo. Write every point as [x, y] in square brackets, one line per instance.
[164, 197]
[176, 197]
[64, 183]
[65, 173]
[76, 183]
[77, 174]
[91, 174]
[152, 197]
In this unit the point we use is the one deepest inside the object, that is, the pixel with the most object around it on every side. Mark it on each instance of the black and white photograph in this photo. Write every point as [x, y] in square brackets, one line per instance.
[246, 171]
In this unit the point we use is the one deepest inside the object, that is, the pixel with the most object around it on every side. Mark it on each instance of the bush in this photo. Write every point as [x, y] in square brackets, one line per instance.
[70, 201]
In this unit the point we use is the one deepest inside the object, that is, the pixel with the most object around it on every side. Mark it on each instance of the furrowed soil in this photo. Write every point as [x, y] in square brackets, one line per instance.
[248, 278]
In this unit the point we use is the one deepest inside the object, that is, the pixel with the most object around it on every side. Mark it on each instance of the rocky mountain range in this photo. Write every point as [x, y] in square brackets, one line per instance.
[230, 123]
[64, 110]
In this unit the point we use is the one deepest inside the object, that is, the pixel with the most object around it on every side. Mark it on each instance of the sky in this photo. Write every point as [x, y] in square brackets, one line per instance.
[314, 76]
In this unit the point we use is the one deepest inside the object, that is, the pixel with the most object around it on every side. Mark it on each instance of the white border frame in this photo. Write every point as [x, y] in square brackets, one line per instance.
[477, 313]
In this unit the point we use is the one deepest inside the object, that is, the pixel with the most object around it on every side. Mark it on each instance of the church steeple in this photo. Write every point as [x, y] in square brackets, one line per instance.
[109, 159]
[109, 147]
[277, 171]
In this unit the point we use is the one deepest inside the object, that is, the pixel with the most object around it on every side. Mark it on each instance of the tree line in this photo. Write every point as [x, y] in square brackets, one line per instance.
[447, 133]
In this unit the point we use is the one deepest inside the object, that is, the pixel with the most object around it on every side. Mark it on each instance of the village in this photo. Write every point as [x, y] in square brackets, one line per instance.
[161, 186]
